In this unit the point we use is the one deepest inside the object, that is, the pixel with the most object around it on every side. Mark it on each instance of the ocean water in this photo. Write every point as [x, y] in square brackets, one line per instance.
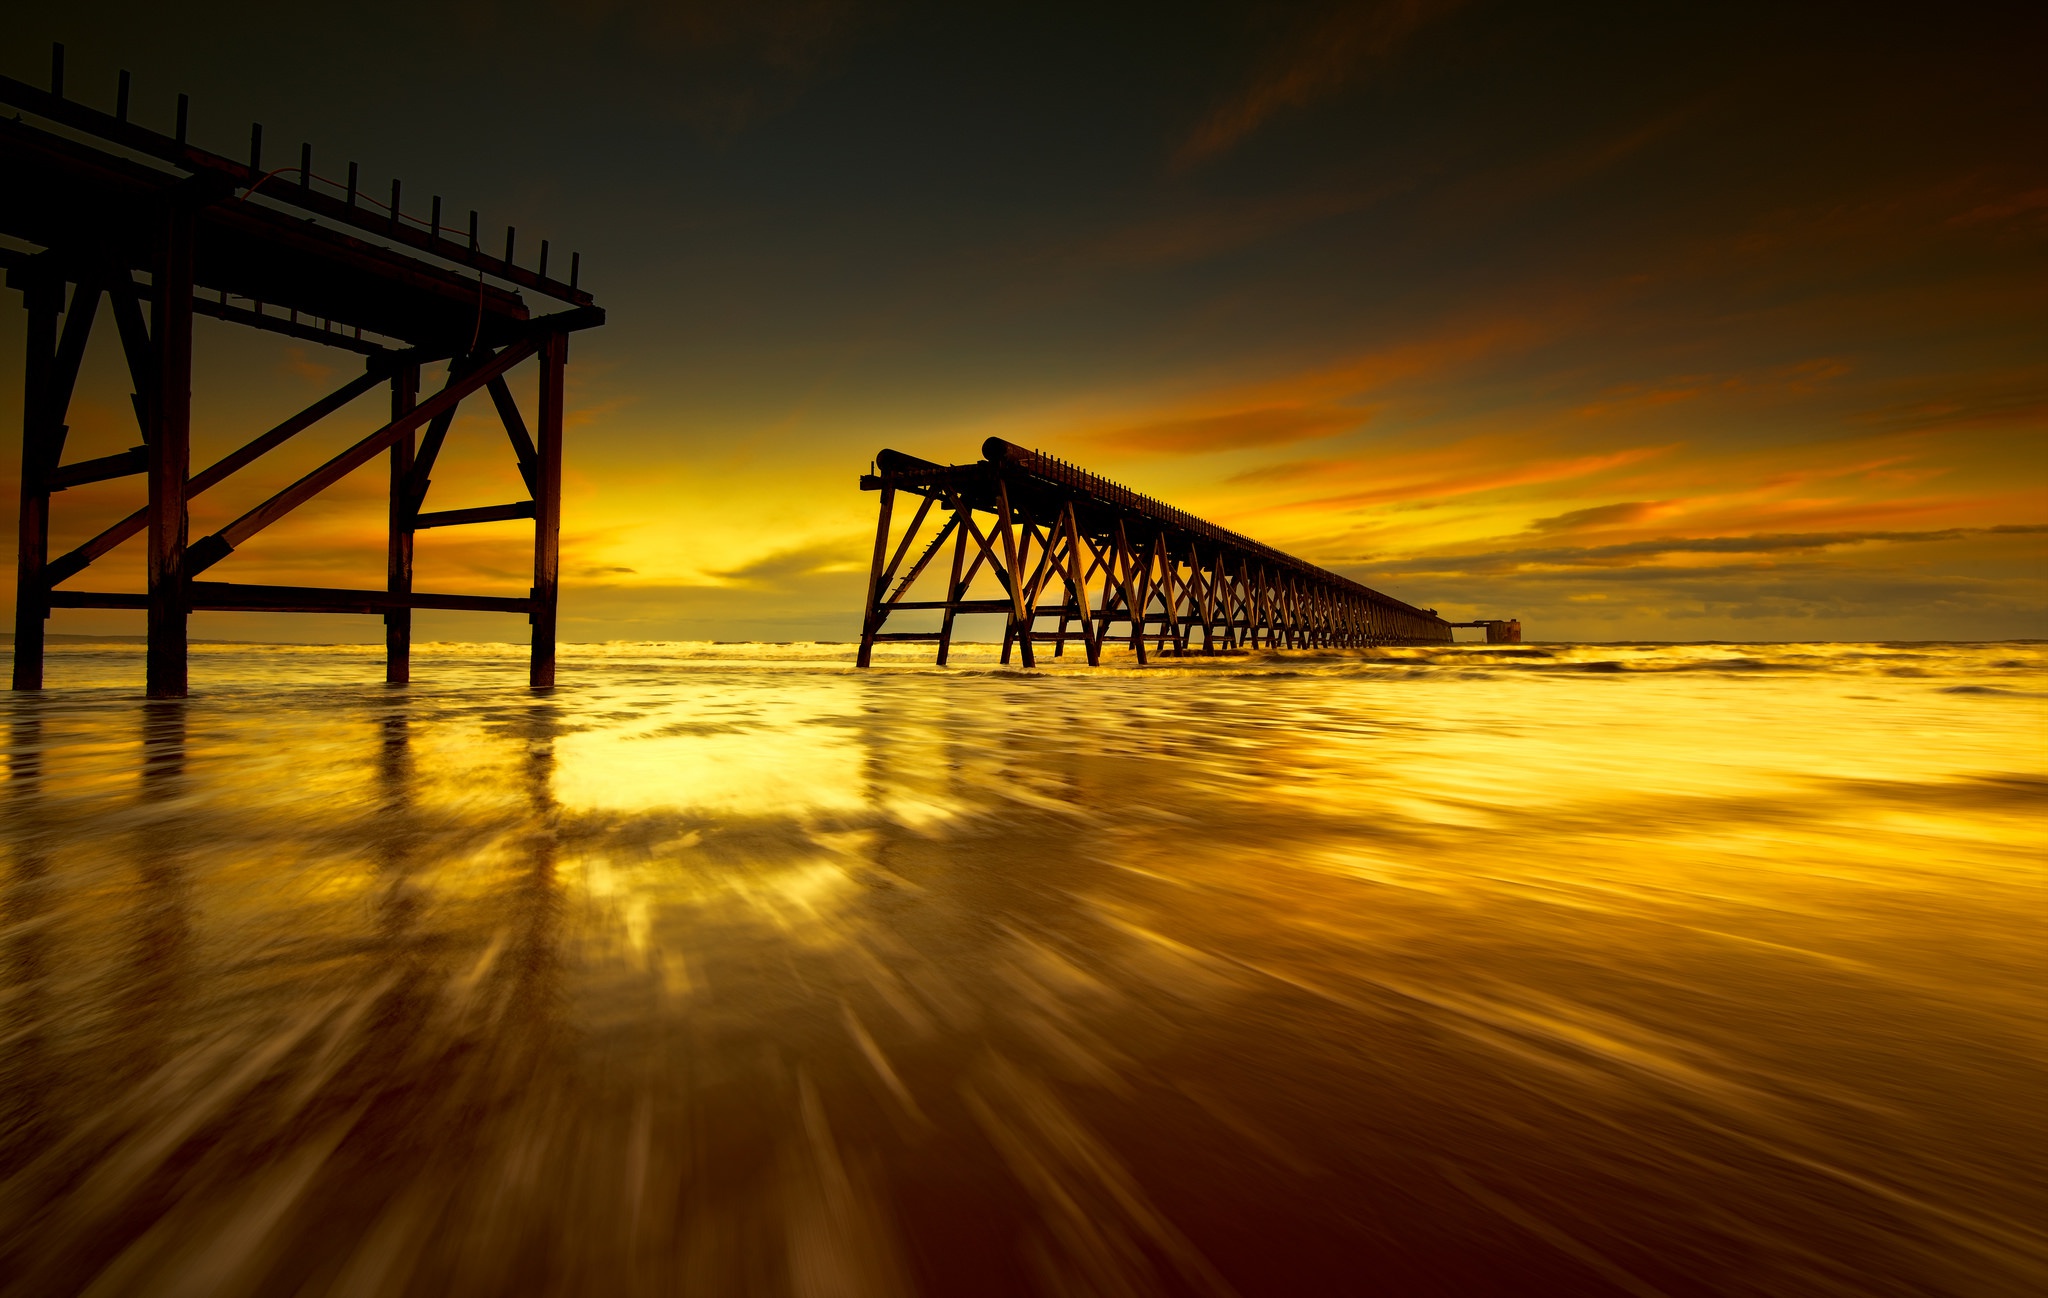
[730, 969]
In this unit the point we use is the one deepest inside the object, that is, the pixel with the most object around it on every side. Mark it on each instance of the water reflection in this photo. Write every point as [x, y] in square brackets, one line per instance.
[1638, 969]
[27, 1071]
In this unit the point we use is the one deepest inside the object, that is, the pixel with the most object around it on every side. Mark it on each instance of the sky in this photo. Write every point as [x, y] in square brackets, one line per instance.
[1636, 322]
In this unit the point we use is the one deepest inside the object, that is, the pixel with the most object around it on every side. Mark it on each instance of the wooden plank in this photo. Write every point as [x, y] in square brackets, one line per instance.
[515, 429]
[240, 597]
[124, 465]
[97, 599]
[85, 304]
[480, 514]
[959, 606]
[134, 334]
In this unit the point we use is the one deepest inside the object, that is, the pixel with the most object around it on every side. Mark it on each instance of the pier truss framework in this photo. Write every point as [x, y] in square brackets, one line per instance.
[101, 210]
[1081, 559]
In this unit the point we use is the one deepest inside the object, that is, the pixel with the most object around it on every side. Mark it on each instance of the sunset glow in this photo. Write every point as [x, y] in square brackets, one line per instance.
[1722, 325]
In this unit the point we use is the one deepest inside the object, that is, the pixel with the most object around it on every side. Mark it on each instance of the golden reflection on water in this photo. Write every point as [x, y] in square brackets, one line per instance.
[729, 970]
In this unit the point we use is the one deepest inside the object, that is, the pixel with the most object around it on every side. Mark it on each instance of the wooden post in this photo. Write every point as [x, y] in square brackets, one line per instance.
[1136, 593]
[405, 389]
[170, 449]
[1204, 601]
[45, 295]
[868, 623]
[1022, 610]
[1170, 594]
[547, 508]
[1079, 575]
[955, 591]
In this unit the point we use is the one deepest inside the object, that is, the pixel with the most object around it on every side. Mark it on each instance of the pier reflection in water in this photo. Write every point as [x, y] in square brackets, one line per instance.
[732, 970]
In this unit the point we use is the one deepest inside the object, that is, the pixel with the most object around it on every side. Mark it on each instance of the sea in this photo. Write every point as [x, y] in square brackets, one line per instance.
[737, 970]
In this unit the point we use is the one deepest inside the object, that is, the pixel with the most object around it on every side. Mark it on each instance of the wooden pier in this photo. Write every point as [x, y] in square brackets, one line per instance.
[98, 200]
[1103, 564]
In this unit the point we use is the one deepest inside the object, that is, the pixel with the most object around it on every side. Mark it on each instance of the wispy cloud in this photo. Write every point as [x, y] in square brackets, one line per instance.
[1337, 397]
[1604, 516]
[782, 570]
[1317, 61]
[1642, 553]
[1450, 486]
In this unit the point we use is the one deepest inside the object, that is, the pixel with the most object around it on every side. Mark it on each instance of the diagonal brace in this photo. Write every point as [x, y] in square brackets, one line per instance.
[76, 561]
[203, 554]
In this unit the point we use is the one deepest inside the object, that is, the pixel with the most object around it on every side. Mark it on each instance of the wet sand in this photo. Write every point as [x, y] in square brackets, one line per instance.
[731, 970]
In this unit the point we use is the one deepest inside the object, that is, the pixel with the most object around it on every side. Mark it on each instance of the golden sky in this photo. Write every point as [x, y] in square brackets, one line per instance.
[1723, 324]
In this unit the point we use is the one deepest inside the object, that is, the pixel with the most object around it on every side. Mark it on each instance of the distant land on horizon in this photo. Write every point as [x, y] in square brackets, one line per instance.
[7, 639]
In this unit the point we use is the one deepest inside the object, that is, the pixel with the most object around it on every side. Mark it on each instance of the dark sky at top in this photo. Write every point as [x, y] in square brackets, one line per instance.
[1633, 320]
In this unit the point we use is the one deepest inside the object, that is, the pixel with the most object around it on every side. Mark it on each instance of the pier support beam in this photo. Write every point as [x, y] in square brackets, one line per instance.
[170, 448]
[405, 391]
[44, 294]
[547, 507]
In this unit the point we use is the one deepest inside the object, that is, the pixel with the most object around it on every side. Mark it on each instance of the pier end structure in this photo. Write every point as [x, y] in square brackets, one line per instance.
[1125, 568]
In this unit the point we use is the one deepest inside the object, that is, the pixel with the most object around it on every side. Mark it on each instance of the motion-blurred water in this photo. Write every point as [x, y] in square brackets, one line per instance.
[732, 970]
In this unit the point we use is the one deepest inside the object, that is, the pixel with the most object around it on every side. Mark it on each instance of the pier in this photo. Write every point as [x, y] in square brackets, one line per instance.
[98, 200]
[1082, 560]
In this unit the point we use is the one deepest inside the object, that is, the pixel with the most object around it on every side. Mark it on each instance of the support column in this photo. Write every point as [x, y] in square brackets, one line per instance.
[405, 391]
[868, 622]
[1078, 579]
[955, 591]
[170, 449]
[547, 508]
[44, 295]
[1023, 603]
[1135, 599]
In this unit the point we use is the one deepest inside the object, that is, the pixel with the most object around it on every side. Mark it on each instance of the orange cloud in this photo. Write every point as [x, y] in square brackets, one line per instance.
[1603, 516]
[1439, 488]
[1234, 429]
[1305, 405]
